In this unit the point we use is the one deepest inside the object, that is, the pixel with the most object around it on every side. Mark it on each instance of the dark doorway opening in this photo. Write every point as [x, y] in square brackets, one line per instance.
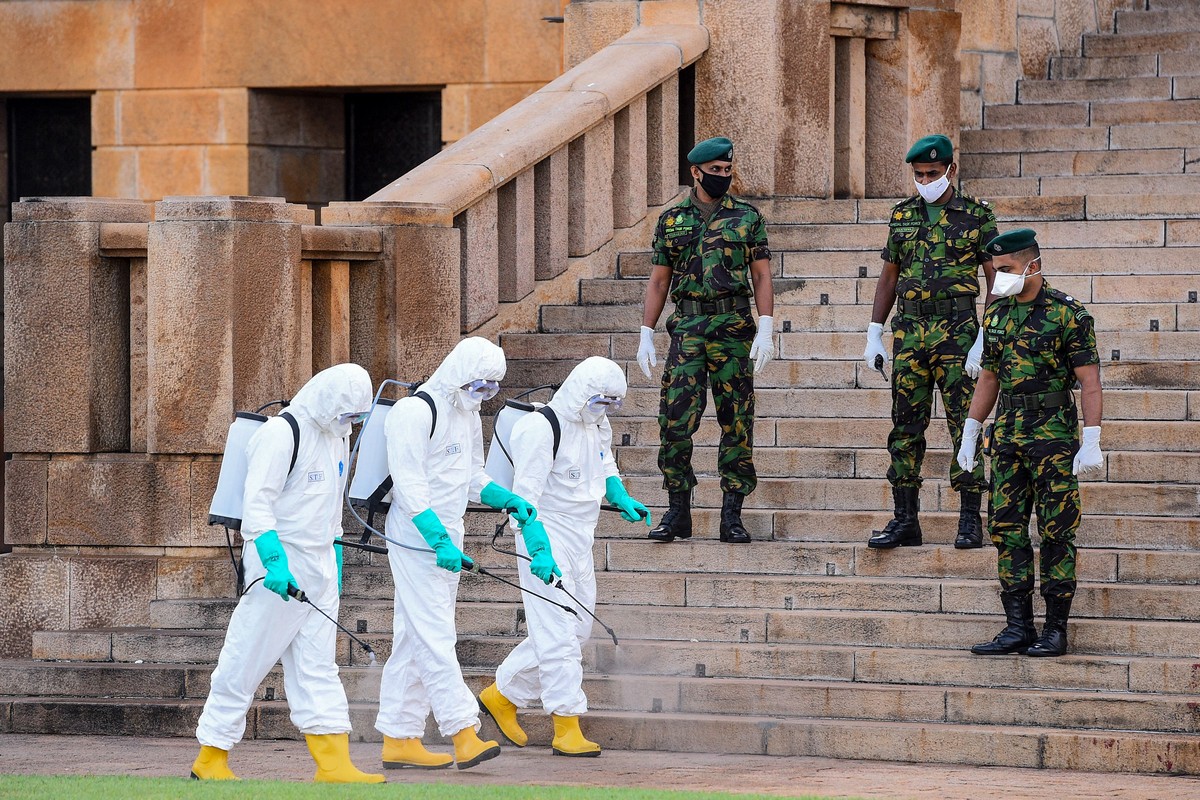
[687, 122]
[387, 134]
[49, 147]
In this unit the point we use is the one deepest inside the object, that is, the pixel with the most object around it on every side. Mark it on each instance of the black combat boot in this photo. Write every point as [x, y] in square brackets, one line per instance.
[1053, 641]
[732, 530]
[1019, 634]
[905, 529]
[970, 526]
[677, 522]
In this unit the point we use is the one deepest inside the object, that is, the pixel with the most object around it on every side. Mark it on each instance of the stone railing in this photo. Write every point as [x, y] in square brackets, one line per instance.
[548, 179]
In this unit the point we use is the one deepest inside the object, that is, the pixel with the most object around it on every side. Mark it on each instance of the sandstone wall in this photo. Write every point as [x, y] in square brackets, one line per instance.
[172, 114]
[1006, 40]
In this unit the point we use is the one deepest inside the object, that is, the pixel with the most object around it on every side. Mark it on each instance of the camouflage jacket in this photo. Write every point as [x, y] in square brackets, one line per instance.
[708, 263]
[941, 259]
[1035, 347]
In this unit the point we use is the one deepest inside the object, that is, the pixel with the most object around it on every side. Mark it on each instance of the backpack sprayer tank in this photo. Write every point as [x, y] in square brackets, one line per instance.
[226, 507]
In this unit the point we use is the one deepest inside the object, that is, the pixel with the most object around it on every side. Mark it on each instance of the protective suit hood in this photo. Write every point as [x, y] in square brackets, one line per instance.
[340, 389]
[474, 358]
[592, 376]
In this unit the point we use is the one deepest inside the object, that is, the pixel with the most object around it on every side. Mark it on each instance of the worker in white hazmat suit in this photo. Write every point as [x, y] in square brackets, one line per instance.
[435, 456]
[289, 521]
[567, 490]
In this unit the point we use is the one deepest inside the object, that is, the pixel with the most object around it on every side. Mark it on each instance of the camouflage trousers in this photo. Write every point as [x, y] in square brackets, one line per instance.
[929, 352]
[708, 351]
[1034, 474]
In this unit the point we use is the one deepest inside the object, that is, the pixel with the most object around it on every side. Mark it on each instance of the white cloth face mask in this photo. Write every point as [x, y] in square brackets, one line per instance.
[1009, 285]
[934, 189]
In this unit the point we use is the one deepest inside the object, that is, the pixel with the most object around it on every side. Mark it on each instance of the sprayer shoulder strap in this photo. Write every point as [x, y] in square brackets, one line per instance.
[432, 410]
[552, 418]
[295, 426]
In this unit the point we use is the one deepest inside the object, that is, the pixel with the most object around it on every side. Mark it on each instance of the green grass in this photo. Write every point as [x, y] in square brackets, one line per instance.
[37, 787]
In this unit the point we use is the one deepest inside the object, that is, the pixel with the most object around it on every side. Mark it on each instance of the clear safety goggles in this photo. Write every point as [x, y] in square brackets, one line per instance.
[482, 389]
[353, 417]
[603, 402]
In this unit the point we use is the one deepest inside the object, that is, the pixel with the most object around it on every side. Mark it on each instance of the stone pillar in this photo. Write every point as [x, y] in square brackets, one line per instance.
[888, 133]
[590, 209]
[330, 313]
[850, 121]
[550, 217]
[227, 307]
[777, 104]
[66, 328]
[662, 142]
[629, 164]
[933, 73]
[480, 262]
[515, 229]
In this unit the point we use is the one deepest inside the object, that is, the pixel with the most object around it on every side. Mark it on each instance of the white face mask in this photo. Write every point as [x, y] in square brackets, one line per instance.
[934, 189]
[1008, 285]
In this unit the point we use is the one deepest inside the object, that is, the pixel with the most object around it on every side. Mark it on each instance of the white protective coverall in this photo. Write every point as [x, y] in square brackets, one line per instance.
[305, 508]
[440, 472]
[567, 491]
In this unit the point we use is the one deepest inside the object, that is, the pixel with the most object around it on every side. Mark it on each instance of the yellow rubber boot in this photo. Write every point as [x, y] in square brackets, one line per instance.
[569, 740]
[470, 750]
[501, 709]
[411, 754]
[331, 751]
[212, 765]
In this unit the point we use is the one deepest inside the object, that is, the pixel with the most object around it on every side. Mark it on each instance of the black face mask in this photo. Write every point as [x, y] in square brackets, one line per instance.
[715, 186]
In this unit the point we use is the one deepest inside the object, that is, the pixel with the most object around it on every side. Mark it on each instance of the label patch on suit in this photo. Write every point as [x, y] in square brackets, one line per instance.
[316, 477]
[574, 474]
[454, 449]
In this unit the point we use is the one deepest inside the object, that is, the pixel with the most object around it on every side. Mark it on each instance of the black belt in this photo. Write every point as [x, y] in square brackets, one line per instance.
[936, 308]
[1034, 402]
[722, 306]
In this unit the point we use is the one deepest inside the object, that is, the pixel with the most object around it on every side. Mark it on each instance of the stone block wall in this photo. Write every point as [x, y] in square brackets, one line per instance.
[1004, 41]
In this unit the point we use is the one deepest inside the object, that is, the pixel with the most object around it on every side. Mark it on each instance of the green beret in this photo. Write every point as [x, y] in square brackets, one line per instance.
[931, 148]
[1013, 241]
[717, 148]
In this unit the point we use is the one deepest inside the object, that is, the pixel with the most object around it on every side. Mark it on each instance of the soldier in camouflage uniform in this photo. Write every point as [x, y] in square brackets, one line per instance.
[710, 252]
[936, 245]
[1037, 343]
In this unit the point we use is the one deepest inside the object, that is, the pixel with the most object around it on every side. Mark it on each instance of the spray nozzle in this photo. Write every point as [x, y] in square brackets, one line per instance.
[879, 367]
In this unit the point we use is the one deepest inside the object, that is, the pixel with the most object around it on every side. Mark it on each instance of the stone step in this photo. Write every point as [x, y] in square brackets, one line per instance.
[865, 494]
[1092, 89]
[1099, 44]
[1086, 185]
[1041, 115]
[1051, 234]
[1177, 20]
[1146, 111]
[919, 742]
[821, 627]
[1085, 68]
[1095, 162]
[1034, 140]
[1141, 346]
[1178, 63]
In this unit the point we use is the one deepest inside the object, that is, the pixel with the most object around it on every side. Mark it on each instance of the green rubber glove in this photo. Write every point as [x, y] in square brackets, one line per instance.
[434, 533]
[542, 560]
[270, 552]
[631, 510]
[497, 496]
[337, 548]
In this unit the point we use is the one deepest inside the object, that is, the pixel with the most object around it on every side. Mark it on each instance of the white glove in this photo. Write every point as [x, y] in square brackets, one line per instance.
[646, 357]
[1089, 456]
[975, 356]
[966, 451]
[875, 346]
[763, 348]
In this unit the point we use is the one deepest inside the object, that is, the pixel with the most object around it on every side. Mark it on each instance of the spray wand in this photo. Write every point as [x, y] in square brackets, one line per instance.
[558, 584]
[303, 598]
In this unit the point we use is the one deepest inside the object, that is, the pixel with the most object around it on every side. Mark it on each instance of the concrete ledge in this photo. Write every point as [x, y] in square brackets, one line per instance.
[80, 209]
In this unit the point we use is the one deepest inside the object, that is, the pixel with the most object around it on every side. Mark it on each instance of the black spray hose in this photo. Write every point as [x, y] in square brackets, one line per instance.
[303, 598]
[557, 585]
[467, 566]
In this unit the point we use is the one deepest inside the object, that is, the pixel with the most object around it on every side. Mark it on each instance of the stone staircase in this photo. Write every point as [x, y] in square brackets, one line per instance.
[807, 642]
[1120, 119]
